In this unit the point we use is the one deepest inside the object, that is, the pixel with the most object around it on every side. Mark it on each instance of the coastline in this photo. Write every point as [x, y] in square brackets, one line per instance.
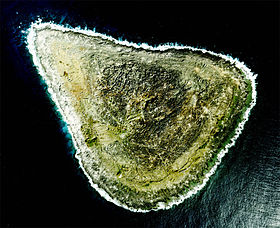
[67, 112]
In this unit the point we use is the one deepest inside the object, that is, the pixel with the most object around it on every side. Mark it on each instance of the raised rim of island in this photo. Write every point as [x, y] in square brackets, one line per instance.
[251, 101]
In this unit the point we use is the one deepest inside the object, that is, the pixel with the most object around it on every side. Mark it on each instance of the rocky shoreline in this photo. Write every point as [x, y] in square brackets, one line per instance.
[150, 125]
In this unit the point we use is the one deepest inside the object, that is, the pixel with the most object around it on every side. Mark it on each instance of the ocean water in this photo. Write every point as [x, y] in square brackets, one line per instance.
[41, 183]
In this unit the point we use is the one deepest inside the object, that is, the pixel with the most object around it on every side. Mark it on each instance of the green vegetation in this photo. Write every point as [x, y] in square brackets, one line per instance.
[153, 122]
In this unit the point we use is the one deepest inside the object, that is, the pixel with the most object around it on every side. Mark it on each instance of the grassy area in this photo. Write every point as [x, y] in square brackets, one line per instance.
[152, 121]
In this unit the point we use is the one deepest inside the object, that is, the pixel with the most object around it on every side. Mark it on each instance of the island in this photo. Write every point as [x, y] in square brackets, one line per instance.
[149, 125]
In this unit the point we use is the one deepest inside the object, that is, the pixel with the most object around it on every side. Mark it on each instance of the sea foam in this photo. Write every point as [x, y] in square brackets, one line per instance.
[67, 112]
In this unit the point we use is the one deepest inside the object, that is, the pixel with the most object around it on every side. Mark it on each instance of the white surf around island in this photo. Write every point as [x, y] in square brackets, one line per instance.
[68, 113]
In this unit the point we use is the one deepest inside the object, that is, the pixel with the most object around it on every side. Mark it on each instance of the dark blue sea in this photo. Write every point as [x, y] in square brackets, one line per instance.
[41, 183]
